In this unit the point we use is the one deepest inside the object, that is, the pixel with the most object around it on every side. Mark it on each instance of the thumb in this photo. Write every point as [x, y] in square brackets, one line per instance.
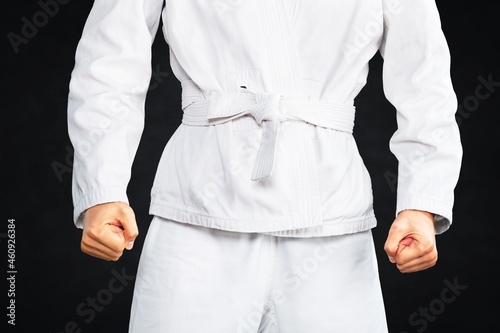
[405, 242]
[396, 241]
[130, 230]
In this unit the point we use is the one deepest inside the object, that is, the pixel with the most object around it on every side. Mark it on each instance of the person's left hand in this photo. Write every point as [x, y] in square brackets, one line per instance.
[411, 243]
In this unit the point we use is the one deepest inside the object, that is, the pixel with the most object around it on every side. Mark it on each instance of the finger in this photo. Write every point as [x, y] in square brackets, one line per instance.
[130, 230]
[415, 251]
[412, 257]
[419, 264]
[416, 268]
[393, 242]
[96, 249]
[100, 255]
[108, 236]
[405, 242]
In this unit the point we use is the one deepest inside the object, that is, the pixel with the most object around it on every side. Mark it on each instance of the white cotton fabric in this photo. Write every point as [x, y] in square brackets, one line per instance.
[266, 140]
[192, 279]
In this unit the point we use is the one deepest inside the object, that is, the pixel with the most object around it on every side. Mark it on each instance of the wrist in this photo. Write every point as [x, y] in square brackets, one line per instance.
[418, 212]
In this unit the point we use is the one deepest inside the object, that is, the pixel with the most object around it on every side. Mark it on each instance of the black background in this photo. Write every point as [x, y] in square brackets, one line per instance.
[54, 277]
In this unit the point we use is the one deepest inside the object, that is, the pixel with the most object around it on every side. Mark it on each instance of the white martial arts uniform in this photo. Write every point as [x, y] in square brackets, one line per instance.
[265, 143]
[195, 279]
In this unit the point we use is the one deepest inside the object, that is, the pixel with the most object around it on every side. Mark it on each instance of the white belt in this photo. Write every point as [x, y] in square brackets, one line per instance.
[269, 110]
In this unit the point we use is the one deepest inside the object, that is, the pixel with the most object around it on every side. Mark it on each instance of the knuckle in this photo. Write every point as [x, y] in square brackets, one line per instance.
[397, 226]
[403, 270]
[433, 258]
[115, 246]
[426, 248]
[123, 208]
[93, 232]
[423, 248]
[83, 247]
[430, 246]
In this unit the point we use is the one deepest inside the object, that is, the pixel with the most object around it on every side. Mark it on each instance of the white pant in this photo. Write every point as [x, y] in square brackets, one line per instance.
[193, 279]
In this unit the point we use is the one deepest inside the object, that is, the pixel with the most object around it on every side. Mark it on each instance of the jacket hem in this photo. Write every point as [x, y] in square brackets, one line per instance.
[275, 226]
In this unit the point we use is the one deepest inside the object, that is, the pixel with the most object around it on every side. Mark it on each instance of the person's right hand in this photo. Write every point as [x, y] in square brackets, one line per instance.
[108, 229]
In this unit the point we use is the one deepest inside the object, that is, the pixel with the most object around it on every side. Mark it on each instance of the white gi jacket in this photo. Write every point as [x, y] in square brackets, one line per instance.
[265, 143]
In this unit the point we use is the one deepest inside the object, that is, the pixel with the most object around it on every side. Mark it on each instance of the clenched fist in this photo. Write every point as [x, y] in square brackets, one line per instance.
[108, 229]
[411, 243]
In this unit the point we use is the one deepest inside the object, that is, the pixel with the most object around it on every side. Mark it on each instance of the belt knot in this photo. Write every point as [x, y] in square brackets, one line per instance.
[268, 109]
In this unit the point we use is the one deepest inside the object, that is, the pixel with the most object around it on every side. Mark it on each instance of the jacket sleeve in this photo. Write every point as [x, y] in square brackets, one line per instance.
[106, 98]
[417, 81]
